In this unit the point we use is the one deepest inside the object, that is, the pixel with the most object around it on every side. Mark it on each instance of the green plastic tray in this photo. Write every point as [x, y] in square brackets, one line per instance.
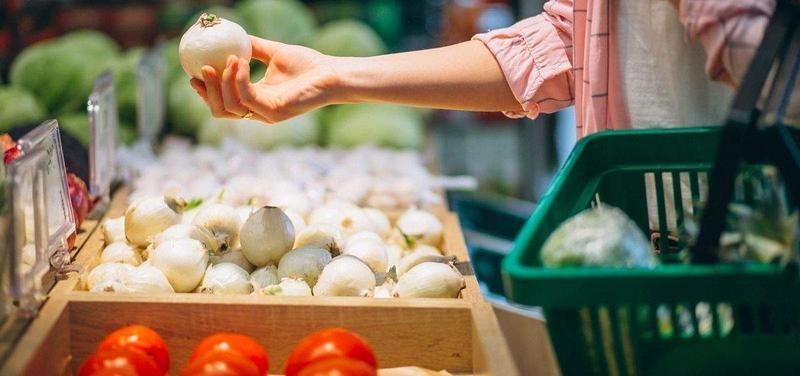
[672, 319]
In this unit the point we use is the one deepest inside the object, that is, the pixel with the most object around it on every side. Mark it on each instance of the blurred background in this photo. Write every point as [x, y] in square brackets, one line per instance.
[513, 158]
[51, 52]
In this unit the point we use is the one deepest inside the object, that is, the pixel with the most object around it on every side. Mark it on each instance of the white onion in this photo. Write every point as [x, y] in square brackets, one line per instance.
[288, 287]
[344, 215]
[184, 231]
[430, 280]
[295, 202]
[371, 251]
[148, 216]
[304, 263]
[264, 276]
[385, 290]
[120, 252]
[222, 221]
[234, 256]
[146, 279]
[321, 235]
[226, 279]
[379, 220]
[209, 42]
[107, 277]
[266, 236]
[114, 230]
[421, 253]
[421, 227]
[345, 276]
[394, 254]
[298, 222]
[183, 262]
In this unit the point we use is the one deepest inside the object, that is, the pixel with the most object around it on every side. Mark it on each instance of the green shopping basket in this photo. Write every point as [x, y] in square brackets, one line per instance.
[674, 318]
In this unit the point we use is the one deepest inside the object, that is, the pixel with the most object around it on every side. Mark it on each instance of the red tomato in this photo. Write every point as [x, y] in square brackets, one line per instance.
[327, 344]
[221, 363]
[120, 361]
[338, 367]
[79, 198]
[238, 343]
[141, 338]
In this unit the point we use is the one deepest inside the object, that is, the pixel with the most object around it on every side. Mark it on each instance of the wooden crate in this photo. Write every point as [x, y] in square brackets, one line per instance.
[459, 335]
[461, 338]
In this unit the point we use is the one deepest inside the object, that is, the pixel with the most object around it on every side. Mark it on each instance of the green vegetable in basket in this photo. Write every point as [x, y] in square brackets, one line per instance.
[764, 231]
[602, 236]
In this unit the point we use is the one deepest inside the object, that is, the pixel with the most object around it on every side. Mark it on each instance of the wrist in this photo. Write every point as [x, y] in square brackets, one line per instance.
[352, 80]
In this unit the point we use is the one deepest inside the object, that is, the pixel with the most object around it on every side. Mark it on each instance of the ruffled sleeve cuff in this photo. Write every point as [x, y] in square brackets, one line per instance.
[534, 56]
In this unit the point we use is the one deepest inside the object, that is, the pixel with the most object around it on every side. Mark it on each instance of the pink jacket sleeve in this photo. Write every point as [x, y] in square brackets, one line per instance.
[730, 31]
[535, 55]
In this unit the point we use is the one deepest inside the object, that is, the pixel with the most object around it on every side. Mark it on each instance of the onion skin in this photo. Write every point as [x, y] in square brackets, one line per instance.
[209, 42]
[266, 236]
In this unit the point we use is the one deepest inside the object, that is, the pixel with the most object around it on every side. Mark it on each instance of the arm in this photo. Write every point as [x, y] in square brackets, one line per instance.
[521, 70]
[463, 76]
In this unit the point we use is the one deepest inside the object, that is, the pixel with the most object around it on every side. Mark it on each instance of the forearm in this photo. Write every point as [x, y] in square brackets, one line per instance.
[464, 76]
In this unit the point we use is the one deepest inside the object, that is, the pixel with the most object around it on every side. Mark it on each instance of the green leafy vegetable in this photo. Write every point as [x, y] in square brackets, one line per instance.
[287, 21]
[348, 38]
[602, 236]
[18, 106]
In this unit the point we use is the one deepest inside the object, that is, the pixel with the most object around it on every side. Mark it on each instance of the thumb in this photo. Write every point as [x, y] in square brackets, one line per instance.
[264, 49]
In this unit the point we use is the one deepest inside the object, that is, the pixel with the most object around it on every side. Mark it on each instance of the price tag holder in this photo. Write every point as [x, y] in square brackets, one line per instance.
[41, 215]
[103, 123]
[151, 95]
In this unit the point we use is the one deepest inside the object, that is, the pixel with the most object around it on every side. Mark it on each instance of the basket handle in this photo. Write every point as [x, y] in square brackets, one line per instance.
[741, 127]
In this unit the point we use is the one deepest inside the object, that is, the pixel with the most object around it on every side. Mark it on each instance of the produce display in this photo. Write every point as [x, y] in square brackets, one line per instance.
[140, 351]
[294, 222]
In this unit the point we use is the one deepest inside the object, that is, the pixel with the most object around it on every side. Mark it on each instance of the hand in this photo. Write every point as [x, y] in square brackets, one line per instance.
[298, 80]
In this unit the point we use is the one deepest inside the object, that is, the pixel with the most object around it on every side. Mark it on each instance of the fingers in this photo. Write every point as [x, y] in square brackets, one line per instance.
[247, 93]
[264, 49]
[230, 92]
[199, 87]
[214, 93]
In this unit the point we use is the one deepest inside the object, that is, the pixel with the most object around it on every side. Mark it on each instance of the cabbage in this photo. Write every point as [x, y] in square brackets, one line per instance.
[384, 125]
[61, 73]
[126, 82]
[298, 131]
[76, 125]
[91, 42]
[348, 38]
[287, 21]
[126, 133]
[602, 236]
[18, 106]
[185, 108]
